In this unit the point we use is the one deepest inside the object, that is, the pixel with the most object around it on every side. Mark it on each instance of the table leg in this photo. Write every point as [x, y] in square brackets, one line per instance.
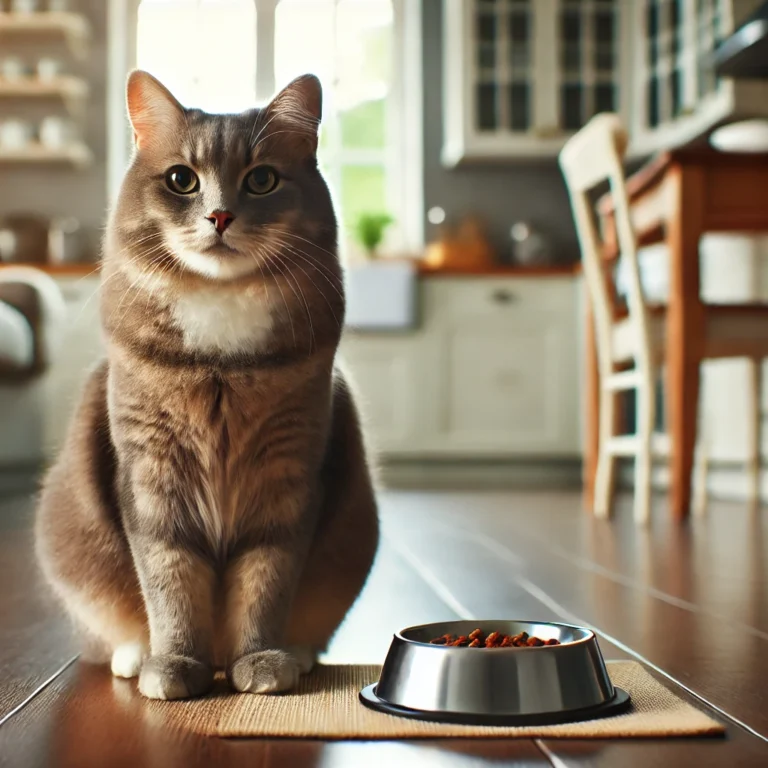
[685, 329]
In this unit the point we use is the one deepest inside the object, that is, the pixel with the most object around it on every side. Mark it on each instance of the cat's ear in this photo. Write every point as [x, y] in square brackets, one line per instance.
[152, 108]
[301, 103]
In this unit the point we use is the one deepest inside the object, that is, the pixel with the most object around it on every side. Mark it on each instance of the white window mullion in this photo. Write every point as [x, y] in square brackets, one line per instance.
[545, 84]
[265, 49]
[503, 67]
[629, 71]
[588, 72]
[689, 56]
[405, 152]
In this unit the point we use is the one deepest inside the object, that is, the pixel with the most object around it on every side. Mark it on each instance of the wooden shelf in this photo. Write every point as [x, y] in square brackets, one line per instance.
[64, 86]
[76, 270]
[73, 26]
[71, 90]
[77, 155]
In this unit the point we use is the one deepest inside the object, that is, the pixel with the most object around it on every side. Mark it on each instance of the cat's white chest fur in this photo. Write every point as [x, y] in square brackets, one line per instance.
[221, 322]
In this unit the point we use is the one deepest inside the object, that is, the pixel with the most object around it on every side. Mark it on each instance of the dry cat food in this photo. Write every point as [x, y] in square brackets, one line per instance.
[476, 639]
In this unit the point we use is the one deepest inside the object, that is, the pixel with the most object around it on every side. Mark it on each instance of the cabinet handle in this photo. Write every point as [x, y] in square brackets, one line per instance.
[502, 296]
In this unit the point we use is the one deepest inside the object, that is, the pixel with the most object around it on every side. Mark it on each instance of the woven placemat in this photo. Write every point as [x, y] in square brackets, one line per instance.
[326, 707]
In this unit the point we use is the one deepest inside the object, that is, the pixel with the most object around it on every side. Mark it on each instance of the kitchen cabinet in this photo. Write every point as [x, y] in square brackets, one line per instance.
[492, 372]
[676, 94]
[520, 76]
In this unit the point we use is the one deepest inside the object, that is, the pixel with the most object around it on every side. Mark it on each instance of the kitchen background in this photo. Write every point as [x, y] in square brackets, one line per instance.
[469, 363]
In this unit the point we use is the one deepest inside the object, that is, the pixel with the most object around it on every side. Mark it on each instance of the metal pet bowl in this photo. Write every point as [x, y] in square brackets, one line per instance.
[496, 686]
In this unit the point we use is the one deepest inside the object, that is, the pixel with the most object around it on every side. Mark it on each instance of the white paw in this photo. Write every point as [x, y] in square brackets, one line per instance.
[127, 659]
[305, 656]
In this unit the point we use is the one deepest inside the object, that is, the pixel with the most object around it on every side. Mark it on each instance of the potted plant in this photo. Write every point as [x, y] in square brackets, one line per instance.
[370, 229]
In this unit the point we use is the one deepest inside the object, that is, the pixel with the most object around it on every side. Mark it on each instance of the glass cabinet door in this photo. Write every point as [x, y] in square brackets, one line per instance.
[588, 66]
[503, 42]
[680, 37]
[709, 35]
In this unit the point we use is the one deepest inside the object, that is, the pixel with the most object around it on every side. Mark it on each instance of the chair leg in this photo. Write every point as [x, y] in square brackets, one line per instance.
[606, 463]
[701, 460]
[646, 417]
[756, 382]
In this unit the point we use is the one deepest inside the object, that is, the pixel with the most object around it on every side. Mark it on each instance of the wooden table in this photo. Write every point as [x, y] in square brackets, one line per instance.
[676, 198]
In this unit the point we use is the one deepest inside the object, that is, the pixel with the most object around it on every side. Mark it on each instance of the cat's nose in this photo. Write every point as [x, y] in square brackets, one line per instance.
[221, 220]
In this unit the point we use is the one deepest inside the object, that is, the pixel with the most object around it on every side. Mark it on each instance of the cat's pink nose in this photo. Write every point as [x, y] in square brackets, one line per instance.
[221, 220]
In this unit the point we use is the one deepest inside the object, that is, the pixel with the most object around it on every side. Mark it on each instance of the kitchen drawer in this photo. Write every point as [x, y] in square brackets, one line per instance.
[496, 297]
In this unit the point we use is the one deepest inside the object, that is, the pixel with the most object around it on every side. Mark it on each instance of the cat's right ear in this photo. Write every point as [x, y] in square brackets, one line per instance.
[152, 109]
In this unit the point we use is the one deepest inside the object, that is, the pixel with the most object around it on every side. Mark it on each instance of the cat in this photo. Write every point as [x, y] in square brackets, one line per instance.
[212, 506]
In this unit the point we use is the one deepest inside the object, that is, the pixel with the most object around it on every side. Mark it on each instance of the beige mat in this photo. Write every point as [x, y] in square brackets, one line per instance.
[326, 707]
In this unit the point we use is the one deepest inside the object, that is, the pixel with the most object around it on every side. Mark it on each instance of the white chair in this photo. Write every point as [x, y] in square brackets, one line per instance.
[593, 156]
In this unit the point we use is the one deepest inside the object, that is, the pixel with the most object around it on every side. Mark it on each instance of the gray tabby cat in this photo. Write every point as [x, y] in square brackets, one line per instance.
[212, 506]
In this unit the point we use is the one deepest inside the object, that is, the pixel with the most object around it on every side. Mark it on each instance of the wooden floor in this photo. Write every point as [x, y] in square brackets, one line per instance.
[692, 603]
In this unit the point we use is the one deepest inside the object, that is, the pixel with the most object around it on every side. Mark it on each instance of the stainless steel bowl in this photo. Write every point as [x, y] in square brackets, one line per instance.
[509, 686]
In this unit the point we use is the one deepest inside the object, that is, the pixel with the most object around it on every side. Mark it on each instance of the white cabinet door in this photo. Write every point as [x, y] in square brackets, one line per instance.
[520, 76]
[507, 376]
[492, 372]
[390, 375]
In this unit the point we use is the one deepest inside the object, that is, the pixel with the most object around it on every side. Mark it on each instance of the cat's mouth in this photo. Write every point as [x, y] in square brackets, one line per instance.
[220, 248]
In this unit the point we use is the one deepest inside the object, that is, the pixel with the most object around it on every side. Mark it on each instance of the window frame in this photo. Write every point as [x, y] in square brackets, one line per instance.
[405, 161]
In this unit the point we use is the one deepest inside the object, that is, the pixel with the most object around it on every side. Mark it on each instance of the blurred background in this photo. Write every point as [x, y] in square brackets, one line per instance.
[467, 331]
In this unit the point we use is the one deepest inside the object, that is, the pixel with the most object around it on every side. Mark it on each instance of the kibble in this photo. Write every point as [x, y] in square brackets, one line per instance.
[476, 639]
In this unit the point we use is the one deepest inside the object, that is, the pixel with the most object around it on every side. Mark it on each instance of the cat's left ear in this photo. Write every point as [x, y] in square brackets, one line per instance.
[301, 103]
[152, 109]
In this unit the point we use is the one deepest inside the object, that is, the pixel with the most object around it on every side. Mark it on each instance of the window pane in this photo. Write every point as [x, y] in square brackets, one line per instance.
[363, 190]
[486, 106]
[571, 106]
[519, 106]
[363, 126]
[195, 46]
[605, 97]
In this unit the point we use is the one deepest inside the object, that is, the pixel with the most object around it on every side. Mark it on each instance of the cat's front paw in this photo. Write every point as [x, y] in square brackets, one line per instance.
[174, 677]
[265, 672]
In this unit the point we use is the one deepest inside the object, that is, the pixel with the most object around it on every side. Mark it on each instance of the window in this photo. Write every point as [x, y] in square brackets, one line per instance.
[204, 51]
[227, 55]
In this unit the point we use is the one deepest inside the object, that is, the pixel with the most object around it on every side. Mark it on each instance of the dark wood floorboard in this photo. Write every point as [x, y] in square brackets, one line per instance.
[487, 570]
[87, 719]
[690, 601]
[34, 641]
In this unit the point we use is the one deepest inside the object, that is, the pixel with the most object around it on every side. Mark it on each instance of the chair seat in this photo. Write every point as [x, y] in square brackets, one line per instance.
[731, 330]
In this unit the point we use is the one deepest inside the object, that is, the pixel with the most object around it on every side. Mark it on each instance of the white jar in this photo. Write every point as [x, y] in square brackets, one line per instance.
[55, 132]
[15, 133]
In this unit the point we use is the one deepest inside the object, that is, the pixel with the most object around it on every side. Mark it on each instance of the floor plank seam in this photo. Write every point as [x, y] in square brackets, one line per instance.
[624, 580]
[445, 594]
[546, 599]
[8, 715]
[554, 760]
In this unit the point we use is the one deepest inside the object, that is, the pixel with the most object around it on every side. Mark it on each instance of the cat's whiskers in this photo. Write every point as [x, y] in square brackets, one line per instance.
[318, 266]
[313, 343]
[258, 259]
[255, 141]
[159, 268]
[304, 239]
[101, 285]
[155, 263]
[280, 256]
[316, 263]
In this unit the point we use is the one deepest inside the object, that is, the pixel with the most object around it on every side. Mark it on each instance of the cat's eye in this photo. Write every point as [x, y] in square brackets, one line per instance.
[182, 180]
[262, 180]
